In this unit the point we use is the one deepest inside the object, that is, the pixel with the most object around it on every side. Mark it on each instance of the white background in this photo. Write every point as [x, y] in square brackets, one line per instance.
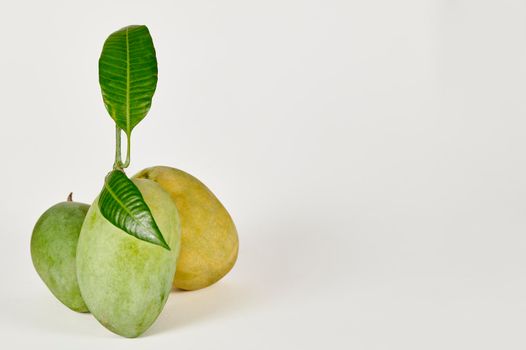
[371, 153]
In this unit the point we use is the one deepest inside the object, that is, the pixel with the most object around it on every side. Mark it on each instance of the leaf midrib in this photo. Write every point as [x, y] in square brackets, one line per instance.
[127, 84]
[123, 206]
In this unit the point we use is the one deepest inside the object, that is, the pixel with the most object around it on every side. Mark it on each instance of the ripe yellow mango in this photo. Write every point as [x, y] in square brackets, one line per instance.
[209, 240]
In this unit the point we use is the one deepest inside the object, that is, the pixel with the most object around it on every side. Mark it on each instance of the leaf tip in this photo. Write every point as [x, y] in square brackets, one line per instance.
[163, 244]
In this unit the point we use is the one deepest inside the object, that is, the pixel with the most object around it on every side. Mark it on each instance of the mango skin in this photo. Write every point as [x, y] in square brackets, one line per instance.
[53, 250]
[126, 281]
[209, 239]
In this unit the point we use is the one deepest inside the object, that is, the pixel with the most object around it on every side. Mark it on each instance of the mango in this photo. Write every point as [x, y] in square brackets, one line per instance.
[125, 281]
[209, 240]
[53, 251]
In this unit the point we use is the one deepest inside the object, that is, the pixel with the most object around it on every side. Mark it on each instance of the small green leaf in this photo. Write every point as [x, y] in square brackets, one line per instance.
[128, 75]
[122, 204]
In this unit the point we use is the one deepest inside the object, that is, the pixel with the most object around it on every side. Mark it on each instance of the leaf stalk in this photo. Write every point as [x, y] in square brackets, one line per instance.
[118, 164]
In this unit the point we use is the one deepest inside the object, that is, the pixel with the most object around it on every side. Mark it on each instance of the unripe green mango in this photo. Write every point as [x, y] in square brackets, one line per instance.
[209, 240]
[125, 281]
[53, 249]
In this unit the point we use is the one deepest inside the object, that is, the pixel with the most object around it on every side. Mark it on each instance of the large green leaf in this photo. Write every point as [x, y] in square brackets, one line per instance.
[128, 75]
[122, 204]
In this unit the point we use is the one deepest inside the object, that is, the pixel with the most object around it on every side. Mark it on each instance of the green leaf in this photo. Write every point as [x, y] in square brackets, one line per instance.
[128, 75]
[122, 204]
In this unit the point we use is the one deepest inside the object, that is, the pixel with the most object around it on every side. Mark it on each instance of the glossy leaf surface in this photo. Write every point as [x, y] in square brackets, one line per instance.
[122, 204]
[128, 75]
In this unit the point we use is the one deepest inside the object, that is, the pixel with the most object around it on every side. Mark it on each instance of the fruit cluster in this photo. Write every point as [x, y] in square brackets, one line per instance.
[120, 257]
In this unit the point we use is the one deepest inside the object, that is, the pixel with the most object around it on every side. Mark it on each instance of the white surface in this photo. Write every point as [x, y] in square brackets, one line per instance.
[371, 153]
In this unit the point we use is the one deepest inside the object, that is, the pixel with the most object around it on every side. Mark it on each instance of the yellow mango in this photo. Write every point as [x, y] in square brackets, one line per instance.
[209, 240]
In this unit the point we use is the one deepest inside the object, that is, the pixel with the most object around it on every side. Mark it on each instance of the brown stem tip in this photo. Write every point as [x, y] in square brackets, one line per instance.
[70, 197]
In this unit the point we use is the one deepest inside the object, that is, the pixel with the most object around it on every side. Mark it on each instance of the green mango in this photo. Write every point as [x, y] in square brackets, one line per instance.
[126, 281]
[53, 249]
